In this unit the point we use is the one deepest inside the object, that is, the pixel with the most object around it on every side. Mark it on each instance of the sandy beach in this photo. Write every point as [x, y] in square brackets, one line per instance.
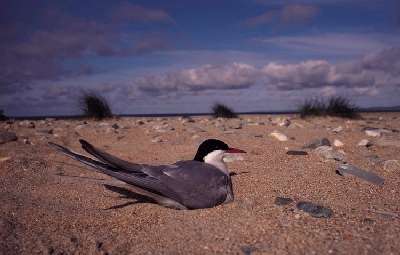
[51, 204]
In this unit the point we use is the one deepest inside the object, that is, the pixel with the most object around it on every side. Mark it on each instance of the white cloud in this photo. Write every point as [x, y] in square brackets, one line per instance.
[231, 76]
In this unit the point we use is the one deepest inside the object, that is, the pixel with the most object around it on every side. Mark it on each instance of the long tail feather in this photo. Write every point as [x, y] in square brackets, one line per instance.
[110, 159]
[81, 158]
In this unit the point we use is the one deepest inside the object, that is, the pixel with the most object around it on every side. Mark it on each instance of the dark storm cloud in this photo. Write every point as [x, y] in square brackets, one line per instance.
[39, 53]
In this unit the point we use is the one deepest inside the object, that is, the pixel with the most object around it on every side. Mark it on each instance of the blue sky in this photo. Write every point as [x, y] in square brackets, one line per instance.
[183, 56]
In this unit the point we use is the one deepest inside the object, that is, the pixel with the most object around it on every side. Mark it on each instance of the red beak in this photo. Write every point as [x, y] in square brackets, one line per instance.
[234, 150]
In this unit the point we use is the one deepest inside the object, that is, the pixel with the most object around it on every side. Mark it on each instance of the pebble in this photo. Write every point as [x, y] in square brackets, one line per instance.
[103, 124]
[315, 210]
[317, 143]
[338, 129]
[338, 143]
[186, 120]
[373, 133]
[6, 137]
[26, 141]
[365, 143]
[27, 123]
[80, 127]
[237, 125]
[282, 122]
[278, 135]
[294, 152]
[157, 140]
[346, 169]
[328, 152]
[163, 128]
[283, 200]
[377, 132]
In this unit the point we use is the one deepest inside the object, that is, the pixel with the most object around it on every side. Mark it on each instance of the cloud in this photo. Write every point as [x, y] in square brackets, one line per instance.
[131, 12]
[333, 43]
[368, 74]
[387, 60]
[288, 14]
[313, 74]
[40, 52]
[206, 77]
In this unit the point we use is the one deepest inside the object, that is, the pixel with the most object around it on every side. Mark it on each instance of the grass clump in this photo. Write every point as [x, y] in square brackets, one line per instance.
[223, 111]
[3, 117]
[95, 106]
[336, 106]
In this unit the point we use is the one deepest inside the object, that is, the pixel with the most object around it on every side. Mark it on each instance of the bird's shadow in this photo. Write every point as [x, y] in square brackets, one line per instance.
[126, 193]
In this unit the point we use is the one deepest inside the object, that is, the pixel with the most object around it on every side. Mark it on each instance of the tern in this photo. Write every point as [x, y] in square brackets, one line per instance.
[203, 182]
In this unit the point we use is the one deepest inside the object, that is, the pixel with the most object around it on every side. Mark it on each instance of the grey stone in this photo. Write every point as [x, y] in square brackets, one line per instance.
[317, 143]
[346, 169]
[315, 210]
[296, 153]
[283, 200]
[328, 152]
[6, 137]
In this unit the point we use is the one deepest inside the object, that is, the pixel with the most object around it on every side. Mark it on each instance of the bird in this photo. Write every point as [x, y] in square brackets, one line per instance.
[203, 182]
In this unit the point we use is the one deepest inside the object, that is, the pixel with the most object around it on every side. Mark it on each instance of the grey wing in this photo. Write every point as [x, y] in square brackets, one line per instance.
[134, 177]
[199, 185]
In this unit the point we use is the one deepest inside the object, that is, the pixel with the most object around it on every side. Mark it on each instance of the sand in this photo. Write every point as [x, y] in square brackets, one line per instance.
[51, 204]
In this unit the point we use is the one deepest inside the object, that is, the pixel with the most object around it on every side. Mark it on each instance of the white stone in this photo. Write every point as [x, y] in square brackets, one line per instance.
[364, 142]
[278, 135]
[373, 133]
[337, 143]
[338, 129]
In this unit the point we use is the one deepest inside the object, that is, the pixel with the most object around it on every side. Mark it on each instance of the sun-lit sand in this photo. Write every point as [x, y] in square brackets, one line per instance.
[51, 204]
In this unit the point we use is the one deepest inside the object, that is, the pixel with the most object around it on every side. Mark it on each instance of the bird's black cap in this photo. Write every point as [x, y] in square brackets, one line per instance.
[208, 146]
